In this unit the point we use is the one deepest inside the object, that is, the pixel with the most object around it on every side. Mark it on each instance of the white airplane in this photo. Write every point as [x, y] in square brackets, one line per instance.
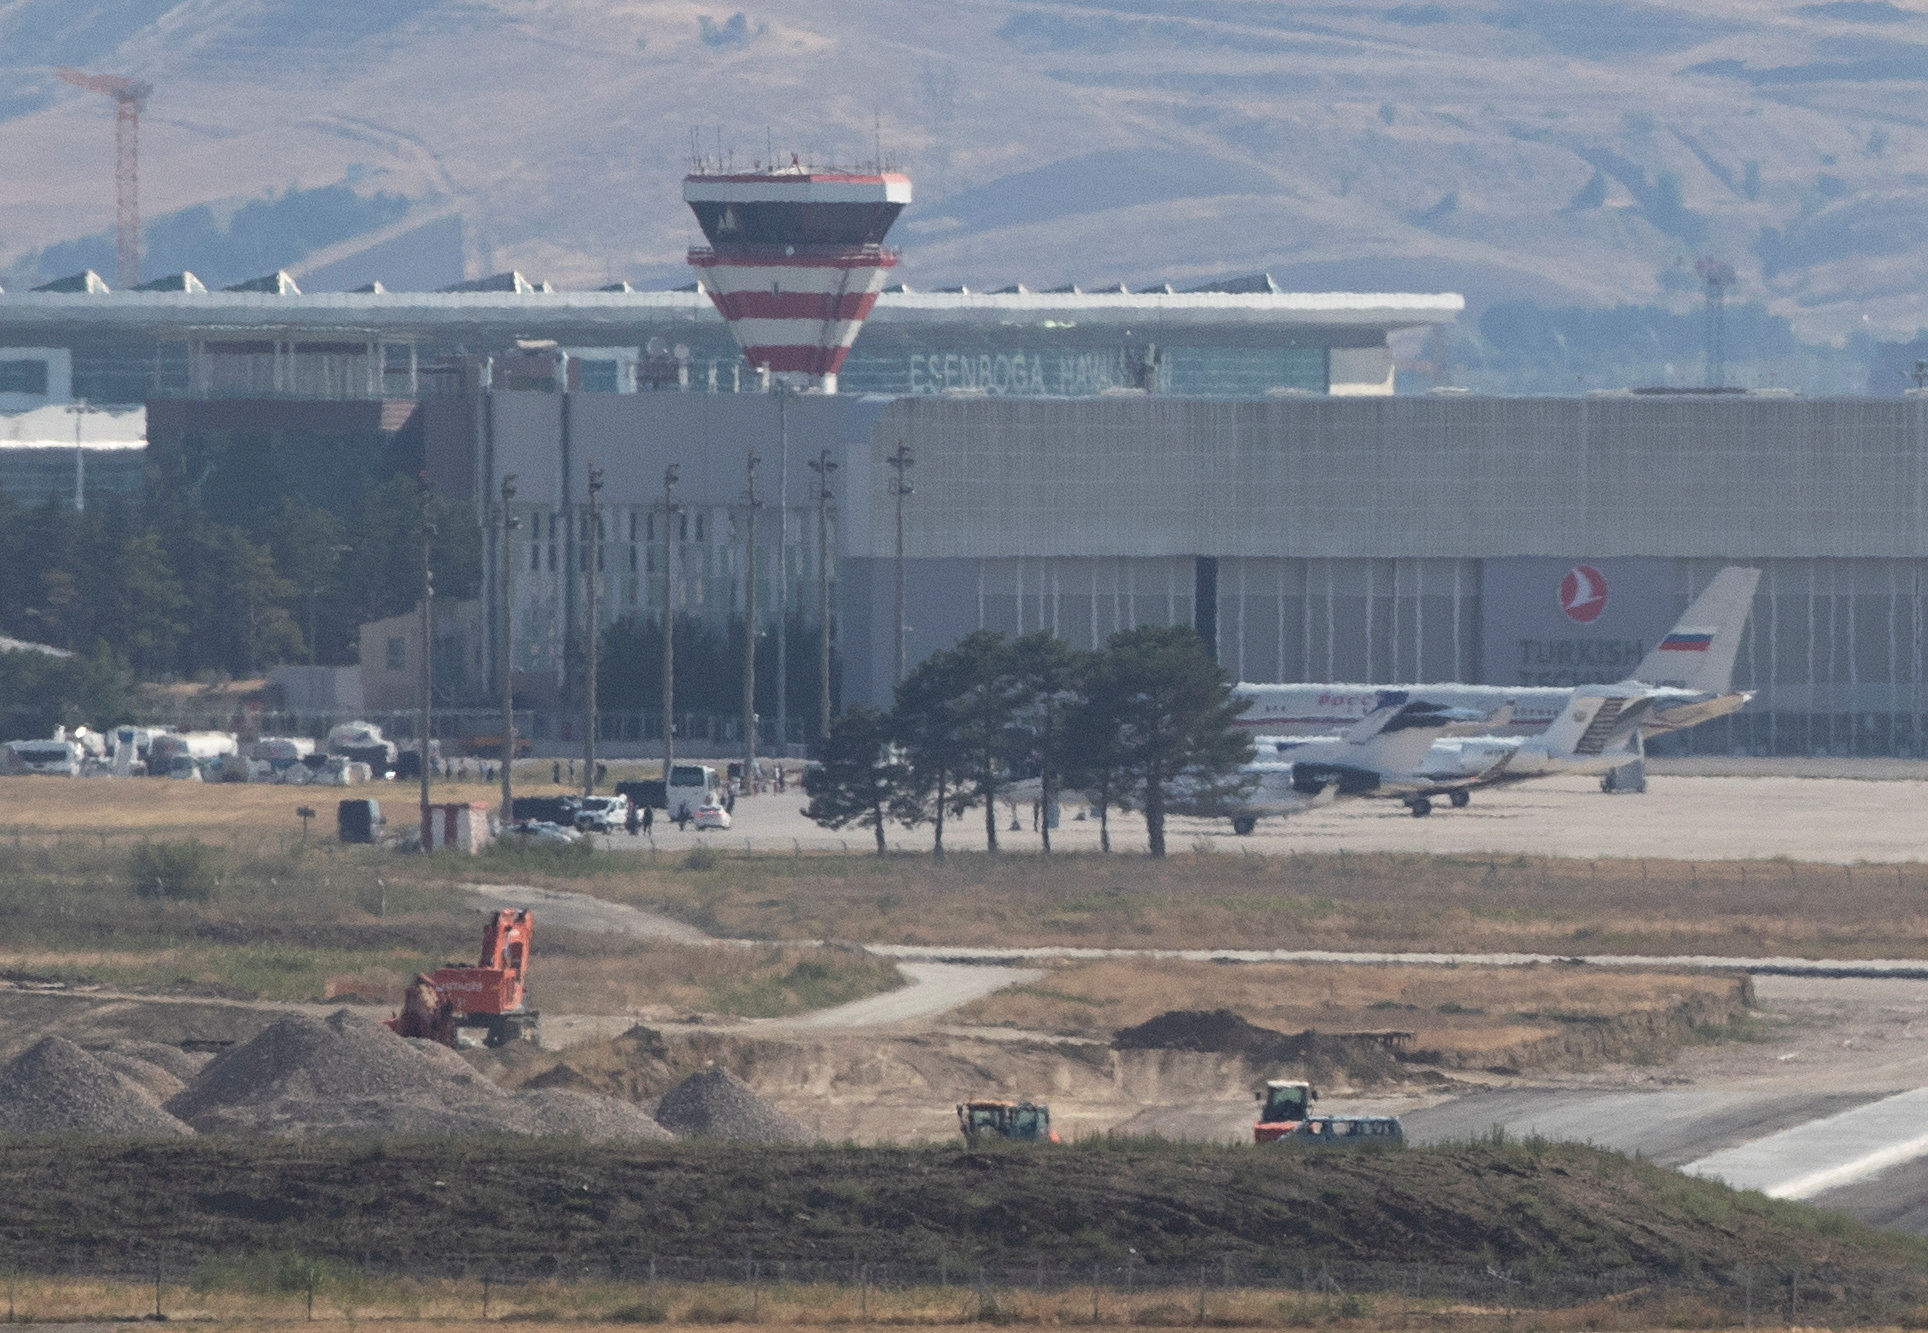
[1598, 728]
[1689, 673]
[1382, 756]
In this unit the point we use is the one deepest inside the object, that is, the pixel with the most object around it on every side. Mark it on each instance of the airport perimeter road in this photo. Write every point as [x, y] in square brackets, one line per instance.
[1840, 820]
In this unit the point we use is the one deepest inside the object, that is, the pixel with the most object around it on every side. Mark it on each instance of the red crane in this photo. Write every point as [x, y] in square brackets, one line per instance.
[130, 97]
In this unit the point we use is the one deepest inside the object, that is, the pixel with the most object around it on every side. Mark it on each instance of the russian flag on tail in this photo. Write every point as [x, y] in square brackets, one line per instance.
[1688, 641]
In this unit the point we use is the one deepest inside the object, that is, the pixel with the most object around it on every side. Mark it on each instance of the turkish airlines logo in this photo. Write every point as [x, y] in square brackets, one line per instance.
[1583, 594]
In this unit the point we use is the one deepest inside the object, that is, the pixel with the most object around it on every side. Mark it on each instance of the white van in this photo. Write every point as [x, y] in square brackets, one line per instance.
[58, 758]
[691, 785]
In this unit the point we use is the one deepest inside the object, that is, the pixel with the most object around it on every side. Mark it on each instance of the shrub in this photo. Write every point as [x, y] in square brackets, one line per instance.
[701, 858]
[643, 1312]
[189, 869]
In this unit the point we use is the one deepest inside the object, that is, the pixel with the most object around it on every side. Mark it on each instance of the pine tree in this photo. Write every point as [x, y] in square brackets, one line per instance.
[1170, 709]
[860, 779]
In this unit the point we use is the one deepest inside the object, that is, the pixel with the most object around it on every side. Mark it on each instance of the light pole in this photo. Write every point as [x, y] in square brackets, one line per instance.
[670, 512]
[507, 654]
[751, 505]
[823, 466]
[424, 496]
[783, 567]
[901, 460]
[593, 561]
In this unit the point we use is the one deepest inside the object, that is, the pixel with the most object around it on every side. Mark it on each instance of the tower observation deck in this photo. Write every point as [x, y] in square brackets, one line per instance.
[795, 261]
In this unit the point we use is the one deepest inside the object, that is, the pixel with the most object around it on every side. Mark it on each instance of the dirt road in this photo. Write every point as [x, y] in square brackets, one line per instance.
[935, 989]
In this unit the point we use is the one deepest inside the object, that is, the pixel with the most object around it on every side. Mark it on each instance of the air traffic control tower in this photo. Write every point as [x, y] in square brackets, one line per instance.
[794, 263]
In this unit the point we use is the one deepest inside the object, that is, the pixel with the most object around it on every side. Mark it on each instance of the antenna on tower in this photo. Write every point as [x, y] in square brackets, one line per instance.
[1715, 277]
[130, 98]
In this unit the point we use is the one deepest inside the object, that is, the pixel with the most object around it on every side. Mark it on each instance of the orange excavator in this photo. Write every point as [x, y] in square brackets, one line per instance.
[487, 994]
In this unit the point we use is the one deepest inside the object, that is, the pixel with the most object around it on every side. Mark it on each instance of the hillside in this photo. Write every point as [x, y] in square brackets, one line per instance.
[1567, 155]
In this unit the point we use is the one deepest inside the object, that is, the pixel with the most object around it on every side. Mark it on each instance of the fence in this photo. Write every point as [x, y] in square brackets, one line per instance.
[1244, 1290]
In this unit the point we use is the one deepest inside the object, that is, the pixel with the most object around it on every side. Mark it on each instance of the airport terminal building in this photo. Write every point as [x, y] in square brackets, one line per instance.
[1084, 462]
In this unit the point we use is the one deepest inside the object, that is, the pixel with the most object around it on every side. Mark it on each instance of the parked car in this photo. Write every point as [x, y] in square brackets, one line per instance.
[541, 830]
[644, 793]
[712, 815]
[601, 814]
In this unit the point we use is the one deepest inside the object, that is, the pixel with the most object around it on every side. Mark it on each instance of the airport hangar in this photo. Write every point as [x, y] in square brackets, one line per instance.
[1309, 524]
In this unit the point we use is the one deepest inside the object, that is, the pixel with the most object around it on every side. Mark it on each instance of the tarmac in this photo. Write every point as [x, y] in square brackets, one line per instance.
[1874, 818]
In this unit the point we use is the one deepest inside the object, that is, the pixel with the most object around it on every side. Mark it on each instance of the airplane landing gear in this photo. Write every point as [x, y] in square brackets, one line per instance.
[1244, 824]
[1420, 806]
[1460, 799]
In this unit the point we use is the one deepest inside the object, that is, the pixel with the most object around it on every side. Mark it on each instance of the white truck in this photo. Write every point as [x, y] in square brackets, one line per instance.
[184, 754]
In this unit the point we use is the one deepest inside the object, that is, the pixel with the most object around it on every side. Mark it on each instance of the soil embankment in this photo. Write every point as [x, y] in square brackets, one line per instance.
[513, 1202]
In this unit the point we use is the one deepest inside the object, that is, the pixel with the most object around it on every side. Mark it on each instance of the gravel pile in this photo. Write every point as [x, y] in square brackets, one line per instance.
[716, 1104]
[54, 1087]
[588, 1116]
[344, 1074]
[151, 1078]
[184, 1065]
[347, 1074]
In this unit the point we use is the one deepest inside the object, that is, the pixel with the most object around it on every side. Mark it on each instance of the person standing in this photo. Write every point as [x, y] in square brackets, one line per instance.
[649, 821]
[633, 820]
[555, 771]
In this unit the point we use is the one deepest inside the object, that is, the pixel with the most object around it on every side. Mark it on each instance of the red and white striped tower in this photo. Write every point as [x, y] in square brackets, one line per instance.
[795, 261]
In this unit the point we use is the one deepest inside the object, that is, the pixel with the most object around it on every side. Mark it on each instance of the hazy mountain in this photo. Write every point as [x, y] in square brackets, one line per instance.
[1562, 154]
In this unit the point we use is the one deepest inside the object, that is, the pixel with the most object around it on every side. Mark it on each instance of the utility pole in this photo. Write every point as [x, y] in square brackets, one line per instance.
[783, 567]
[427, 682]
[592, 560]
[751, 505]
[670, 511]
[823, 466]
[901, 460]
[507, 654]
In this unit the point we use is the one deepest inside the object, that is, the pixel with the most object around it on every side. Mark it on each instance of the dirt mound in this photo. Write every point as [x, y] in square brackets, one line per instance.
[716, 1104]
[1357, 1058]
[54, 1087]
[347, 1074]
[344, 1074]
[588, 1116]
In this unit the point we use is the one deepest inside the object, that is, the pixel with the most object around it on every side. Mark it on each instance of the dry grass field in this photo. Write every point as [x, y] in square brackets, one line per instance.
[1470, 1016]
[1337, 900]
[288, 919]
[1331, 901]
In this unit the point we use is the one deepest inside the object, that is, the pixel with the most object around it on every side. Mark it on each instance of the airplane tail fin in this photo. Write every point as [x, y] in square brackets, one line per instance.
[1698, 653]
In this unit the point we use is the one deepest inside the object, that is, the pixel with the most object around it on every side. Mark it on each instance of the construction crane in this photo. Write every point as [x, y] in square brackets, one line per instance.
[130, 97]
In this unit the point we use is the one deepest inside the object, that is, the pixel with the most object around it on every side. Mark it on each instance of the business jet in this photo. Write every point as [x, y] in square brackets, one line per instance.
[1383, 756]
